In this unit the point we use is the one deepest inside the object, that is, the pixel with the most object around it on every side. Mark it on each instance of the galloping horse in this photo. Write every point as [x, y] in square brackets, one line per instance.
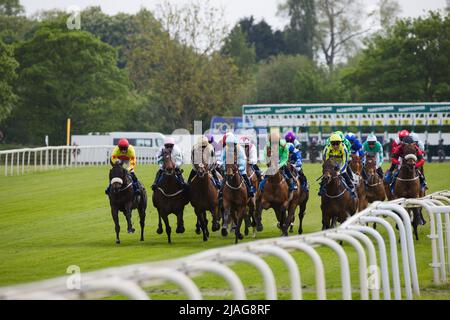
[375, 189]
[204, 197]
[276, 196]
[407, 185]
[356, 167]
[300, 198]
[234, 200]
[336, 203]
[170, 197]
[121, 198]
[250, 218]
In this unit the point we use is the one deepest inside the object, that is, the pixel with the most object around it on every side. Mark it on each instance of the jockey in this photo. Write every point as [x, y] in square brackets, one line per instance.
[417, 140]
[398, 153]
[203, 152]
[283, 154]
[373, 148]
[231, 142]
[295, 158]
[291, 138]
[345, 141]
[125, 152]
[215, 145]
[251, 154]
[339, 152]
[356, 146]
[177, 157]
[401, 136]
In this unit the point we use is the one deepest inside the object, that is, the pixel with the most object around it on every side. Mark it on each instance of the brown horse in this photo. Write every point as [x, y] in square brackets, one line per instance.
[300, 198]
[336, 202]
[234, 200]
[250, 218]
[407, 184]
[204, 197]
[375, 188]
[276, 196]
[356, 167]
[121, 198]
[170, 197]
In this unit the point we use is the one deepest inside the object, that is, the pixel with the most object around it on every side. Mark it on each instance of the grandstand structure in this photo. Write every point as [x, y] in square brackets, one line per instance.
[432, 120]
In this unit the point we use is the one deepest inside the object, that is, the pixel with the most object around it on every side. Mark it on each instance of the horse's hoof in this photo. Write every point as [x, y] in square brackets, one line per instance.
[159, 230]
[117, 241]
[224, 232]
[215, 227]
[198, 231]
[259, 228]
[246, 232]
[180, 229]
[131, 230]
[291, 229]
[240, 236]
[142, 239]
[300, 231]
[205, 239]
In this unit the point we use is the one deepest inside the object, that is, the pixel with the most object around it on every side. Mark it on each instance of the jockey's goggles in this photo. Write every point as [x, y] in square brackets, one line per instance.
[123, 149]
[335, 143]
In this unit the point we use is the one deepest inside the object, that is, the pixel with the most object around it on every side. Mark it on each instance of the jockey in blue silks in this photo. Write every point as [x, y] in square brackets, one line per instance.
[295, 158]
[231, 142]
[357, 147]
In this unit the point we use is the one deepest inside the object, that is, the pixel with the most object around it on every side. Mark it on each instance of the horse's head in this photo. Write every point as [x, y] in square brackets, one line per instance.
[355, 164]
[168, 164]
[330, 169]
[410, 156]
[117, 176]
[370, 166]
[201, 169]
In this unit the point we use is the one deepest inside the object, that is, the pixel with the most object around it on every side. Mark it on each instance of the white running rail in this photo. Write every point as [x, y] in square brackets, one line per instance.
[374, 268]
[21, 161]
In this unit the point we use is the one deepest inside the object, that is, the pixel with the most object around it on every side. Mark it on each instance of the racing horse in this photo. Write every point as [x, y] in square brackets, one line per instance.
[276, 196]
[234, 199]
[204, 197]
[336, 202]
[121, 198]
[170, 197]
[300, 198]
[356, 166]
[250, 219]
[375, 189]
[407, 185]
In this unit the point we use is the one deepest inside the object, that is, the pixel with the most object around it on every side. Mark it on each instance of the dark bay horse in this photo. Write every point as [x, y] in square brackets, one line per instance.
[121, 198]
[375, 188]
[234, 200]
[356, 167]
[170, 197]
[407, 185]
[276, 196]
[300, 198]
[336, 202]
[250, 219]
[204, 197]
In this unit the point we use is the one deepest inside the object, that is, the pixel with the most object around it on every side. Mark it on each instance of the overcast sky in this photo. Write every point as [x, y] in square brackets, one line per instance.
[234, 9]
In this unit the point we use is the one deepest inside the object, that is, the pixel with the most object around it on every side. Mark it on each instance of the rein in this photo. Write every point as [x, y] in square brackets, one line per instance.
[170, 195]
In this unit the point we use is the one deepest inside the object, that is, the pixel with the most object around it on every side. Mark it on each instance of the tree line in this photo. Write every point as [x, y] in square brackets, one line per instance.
[161, 70]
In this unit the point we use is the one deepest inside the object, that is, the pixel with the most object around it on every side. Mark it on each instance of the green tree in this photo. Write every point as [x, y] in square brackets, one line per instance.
[299, 35]
[67, 74]
[240, 51]
[8, 66]
[11, 7]
[410, 63]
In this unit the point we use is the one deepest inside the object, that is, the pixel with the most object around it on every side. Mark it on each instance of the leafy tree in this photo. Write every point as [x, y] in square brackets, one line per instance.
[410, 63]
[239, 50]
[67, 74]
[7, 75]
[299, 35]
[11, 7]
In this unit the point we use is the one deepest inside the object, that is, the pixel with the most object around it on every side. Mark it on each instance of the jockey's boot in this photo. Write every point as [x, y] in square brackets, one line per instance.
[423, 182]
[350, 185]
[292, 185]
[250, 188]
[257, 172]
[321, 189]
[303, 180]
[136, 188]
[180, 178]
[290, 180]
[191, 176]
[157, 179]
[388, 177]
[215, 179]
[263, 183]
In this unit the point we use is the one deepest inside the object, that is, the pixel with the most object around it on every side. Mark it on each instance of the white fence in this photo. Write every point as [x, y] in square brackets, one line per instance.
[21, 161]
[375, 271]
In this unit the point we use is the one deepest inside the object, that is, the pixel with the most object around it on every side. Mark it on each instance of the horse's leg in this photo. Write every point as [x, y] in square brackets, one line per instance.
[115, 216]
[180, 221]
[226, 215]
[127, 213]
[160, 229]
[258, 215]
[416, 222]
[301, 215]
[198, 228]
[141, 211]
[239, 218]
[247, 221]
[165, 218]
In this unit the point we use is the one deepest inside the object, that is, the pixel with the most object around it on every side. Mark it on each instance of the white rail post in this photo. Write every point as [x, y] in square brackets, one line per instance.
[372, 257]
[321, 291]
[409, 238]
[125, 287]
[18, 163]
[222, 270]
[23, 162]
[345, 269]
[6, 164]
[403, 244]
[394, 258]
[260, 264]
[362, 262]
[40, 162]
[383, 257]
[12, 163]
[294, 273]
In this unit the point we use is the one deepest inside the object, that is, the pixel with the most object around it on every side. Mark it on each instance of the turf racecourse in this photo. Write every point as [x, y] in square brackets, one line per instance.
[51, 220]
